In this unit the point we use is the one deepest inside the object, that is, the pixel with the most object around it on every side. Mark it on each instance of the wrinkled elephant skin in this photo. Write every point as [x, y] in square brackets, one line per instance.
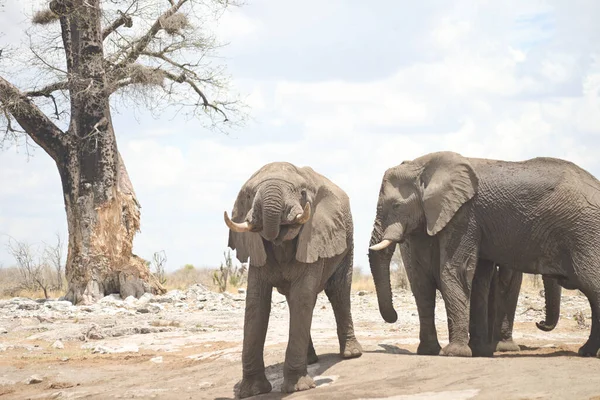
[295, 228]
[537, 216]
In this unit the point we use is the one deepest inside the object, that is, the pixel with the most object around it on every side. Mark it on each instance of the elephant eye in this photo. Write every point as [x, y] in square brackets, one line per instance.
[397, 205]
[303, 194]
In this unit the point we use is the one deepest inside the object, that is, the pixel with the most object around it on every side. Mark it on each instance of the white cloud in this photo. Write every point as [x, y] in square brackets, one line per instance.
[235, 25]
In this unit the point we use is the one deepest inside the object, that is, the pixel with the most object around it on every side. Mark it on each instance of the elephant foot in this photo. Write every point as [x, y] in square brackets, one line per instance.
[351, 349]
[589, 349]
[429, 348]
[293, 382]
[507, 345]
[311, 357]
[254, 385]
[456, 350]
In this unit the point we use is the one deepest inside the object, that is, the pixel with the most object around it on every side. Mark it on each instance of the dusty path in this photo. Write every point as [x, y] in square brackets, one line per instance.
[188, 346]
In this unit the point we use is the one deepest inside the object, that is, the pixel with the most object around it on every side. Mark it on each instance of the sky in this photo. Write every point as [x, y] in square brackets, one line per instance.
[349, 88]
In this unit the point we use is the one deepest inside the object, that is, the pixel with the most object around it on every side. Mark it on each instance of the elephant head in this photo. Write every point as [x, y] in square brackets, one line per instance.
[280, 203]
[420, 195]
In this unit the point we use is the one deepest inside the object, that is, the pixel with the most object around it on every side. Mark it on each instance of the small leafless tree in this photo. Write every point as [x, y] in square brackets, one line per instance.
[32, 269]
[229, 273]
[159, 260]
[53, 254]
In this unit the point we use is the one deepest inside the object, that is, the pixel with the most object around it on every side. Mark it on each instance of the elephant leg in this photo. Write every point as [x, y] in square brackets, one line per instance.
[311, 356]
[591, 347]
[418, 257]
[256, 321]
[481, 341]
[338, 291]
[509, 286]
[424, 290]
[302, 299]
[458, 259]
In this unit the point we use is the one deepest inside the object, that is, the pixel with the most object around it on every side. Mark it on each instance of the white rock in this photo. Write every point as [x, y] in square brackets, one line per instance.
[128, 348]
[146, 297]
[4, 347]
[3, 330]
[156, 360]
[27, 304]
[170, 297]
[241, 291]
[60, 305]
[33, 379]
[130, 301]
[155, 307]
[58, 345]
[112, 300]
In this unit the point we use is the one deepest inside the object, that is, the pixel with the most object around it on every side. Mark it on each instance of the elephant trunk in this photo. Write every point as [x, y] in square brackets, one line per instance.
[552, 292]
[379, 261]
[272, 207]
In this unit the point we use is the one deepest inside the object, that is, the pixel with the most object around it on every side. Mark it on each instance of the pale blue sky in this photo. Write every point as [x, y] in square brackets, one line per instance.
[349, 88]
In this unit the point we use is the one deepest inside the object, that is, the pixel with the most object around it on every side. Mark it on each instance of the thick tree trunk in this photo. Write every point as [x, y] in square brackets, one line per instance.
[101, 230]
[102, 212]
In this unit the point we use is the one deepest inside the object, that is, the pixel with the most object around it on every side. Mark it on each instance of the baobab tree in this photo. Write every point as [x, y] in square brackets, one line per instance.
[155, 53]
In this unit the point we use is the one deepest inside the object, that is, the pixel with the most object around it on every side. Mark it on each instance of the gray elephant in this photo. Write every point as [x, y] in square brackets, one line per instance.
[537, 216]
[296, 227]
[420, 255]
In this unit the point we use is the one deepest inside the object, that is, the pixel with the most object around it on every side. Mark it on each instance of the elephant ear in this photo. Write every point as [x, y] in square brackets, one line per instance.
[325, 234]
[448, 181]
[246, 244]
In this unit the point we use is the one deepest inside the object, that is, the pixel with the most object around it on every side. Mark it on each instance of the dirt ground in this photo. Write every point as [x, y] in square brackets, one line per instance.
[187, 345]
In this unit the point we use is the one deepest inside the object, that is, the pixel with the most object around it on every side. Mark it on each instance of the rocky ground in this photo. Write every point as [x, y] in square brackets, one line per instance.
[187, 345]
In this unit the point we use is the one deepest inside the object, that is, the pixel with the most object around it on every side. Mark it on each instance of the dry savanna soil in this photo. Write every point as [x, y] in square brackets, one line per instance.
[187, 345]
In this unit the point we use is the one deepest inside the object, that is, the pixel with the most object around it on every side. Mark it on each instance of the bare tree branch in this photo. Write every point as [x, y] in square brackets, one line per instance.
[205, 103]
[47, 90]
[32, 119]
[123, 20]
[63, 9]
[142, 43]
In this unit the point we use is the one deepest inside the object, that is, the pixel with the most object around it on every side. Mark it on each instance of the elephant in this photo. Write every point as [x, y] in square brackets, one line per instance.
[420, 255]
[296, 228]
[537, 216]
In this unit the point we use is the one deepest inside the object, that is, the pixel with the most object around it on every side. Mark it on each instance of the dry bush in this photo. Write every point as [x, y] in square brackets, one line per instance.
[10, 285]
[158, 263]
[38, 270]
[9, 282]
[229, 273]
[362, 280]
[187, 276]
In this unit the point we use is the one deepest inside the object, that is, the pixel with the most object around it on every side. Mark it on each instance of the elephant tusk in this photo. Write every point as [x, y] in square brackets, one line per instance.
[234, 226]
[302, 218]
[381, 245]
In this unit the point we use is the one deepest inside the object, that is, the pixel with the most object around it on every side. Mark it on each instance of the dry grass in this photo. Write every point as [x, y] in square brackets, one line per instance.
[189, 275]
[10, 286]
[362, 281]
